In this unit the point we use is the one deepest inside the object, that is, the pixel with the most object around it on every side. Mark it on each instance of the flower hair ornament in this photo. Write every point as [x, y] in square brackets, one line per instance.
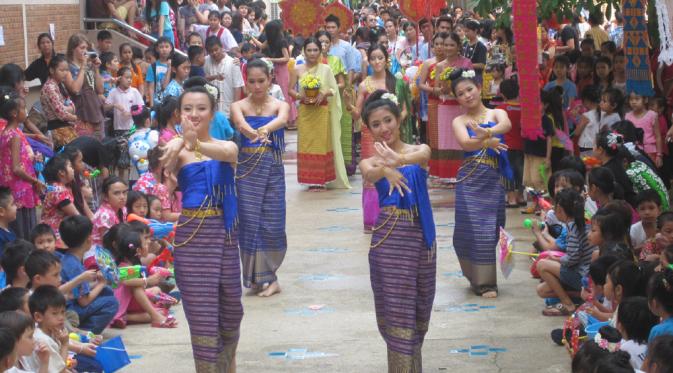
[605, 344]
[138, 109]
[6, 97]
[390, 97]
[615, 139]
[469, 74]
[212, 90]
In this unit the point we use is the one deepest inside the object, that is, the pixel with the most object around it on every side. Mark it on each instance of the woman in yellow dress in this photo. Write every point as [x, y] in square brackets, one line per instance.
[320, 161]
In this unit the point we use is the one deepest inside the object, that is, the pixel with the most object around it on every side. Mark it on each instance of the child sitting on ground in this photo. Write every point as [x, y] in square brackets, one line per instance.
[14, 262]
[96, 306]
[111, 212]
[624, 279]
[643, 233]
[660, 299]
[149, 183]
[131, 292]
[7, 216]
[23, 328]
[43, 237]
[634, 322]
[559, 274]
[14, 299]
[659, 352]
[7, 349]
[59, 201]
[47, 306]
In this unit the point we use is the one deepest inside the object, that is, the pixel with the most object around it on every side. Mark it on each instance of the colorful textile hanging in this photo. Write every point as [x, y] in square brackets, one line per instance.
[636, 49]
[664, 13]
[526, 36]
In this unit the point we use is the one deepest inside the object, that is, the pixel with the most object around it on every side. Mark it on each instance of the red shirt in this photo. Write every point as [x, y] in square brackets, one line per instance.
[513, 137]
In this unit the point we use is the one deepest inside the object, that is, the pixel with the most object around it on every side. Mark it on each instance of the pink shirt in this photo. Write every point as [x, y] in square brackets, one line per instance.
[103, 220]
[58, 196]
[648, 123]
[23, 192]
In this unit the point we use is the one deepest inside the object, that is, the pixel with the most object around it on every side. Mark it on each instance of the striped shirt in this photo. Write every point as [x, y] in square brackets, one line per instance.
[578, 250]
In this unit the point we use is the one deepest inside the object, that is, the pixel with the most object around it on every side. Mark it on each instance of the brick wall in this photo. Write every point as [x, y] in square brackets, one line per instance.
[65, 17]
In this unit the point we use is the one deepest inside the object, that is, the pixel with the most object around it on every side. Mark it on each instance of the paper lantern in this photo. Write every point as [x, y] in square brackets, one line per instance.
[342, 12]
[303, 17]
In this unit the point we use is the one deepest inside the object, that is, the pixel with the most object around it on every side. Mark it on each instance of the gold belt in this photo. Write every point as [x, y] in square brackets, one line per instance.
[202, 213]
[253, 150]
[487, 160]
[398, 211]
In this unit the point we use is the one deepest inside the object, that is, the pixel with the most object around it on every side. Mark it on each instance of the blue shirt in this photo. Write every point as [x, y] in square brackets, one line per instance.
[665, 328]
[220, 128]
[6, 236]
[197, 71]
[562, 239]
[164, 10]
[150, 77]
[569, 91]
[107, 82]
[71, 267]
[173, 89]
[348, 54]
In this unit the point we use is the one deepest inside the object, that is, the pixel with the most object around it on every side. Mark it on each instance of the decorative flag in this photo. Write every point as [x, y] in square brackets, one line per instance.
[636, 49]
[416, 10]
[526, 36]
[303, 17]
[664, 8]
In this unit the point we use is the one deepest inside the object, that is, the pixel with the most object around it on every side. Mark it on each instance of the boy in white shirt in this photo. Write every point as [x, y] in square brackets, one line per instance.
[223, 73]
[215, 28]
[47, 306]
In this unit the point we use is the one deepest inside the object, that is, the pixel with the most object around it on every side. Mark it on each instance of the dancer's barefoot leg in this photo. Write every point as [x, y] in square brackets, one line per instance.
[270, 290]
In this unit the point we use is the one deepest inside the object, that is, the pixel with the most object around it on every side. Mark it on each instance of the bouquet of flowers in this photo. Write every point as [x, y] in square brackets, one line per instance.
[309, 82]
[444, 76]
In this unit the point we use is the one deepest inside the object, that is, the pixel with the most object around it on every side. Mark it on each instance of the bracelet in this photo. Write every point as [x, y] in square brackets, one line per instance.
[403, 160]
[490, 133]
[485, 143]
[197, 149]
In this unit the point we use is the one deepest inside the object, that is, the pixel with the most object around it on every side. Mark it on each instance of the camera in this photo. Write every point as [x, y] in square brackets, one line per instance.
[92, 55]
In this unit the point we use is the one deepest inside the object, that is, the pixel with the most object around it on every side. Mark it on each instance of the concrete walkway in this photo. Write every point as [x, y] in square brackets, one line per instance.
[326, 267]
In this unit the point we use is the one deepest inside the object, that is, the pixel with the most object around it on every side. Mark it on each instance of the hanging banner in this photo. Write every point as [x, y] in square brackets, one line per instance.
[636, 49]
[526, 36]
[664, 13]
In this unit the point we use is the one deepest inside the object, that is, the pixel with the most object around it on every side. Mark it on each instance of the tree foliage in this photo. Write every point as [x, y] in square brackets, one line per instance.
[545, 8]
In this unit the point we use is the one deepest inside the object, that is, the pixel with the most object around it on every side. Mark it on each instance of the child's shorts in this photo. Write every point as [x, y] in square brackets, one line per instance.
[531, 172]
[570, 280]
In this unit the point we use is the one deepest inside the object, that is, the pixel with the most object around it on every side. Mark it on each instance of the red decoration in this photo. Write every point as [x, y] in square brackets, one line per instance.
[525, 33]
[303, 17]
[416, 10]
[342, 12]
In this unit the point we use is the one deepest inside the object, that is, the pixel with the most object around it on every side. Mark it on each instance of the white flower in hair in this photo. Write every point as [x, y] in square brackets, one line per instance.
[390, 97]
[212, 90]
[468, 74]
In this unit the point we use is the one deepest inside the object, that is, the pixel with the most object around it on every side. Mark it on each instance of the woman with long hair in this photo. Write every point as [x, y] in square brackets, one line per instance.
[276, 50]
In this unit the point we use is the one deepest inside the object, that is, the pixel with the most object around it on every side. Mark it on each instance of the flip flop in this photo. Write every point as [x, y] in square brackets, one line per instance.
[557, 310]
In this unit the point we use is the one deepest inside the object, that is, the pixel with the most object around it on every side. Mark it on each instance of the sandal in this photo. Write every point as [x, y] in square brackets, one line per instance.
[557, 310]
[169, 323]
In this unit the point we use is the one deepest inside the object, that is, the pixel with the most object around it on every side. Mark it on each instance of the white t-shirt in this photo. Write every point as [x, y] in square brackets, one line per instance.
[588, 136]
[226, 38]
[233, 78]
[609, 119]
[276, 92]
[636, 350]
[128, 98]
[638, 235]
[56, 362]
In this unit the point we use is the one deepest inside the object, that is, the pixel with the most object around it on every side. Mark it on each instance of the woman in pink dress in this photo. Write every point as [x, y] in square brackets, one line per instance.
[450, 152]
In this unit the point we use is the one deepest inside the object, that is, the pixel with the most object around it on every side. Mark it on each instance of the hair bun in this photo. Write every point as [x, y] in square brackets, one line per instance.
[456, 73]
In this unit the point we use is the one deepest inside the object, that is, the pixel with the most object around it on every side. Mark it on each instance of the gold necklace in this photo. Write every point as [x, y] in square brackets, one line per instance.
[479, 119]
[259, 109]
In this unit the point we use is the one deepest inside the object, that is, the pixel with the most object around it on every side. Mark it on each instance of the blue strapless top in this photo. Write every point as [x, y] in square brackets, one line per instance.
[503, 161]
[210, 184]
[418, 200]
[277, 137]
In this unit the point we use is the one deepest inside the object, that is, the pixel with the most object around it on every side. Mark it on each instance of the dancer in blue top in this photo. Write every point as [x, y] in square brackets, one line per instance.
[260, 178]
[207, 263]
[402, 259]
[480, 195]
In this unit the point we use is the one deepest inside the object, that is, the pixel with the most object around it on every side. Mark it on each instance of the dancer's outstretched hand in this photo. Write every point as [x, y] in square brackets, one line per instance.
[396, 181]
[390, 157]
[479, 131]
[495, 144]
